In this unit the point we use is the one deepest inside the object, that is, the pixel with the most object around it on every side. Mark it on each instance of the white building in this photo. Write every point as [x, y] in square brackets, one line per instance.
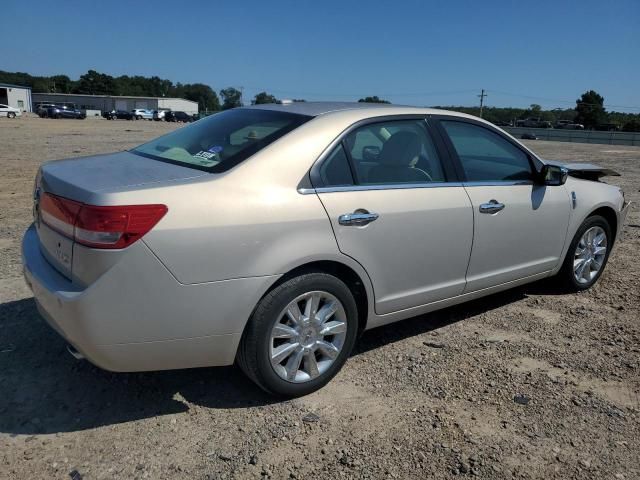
[106, 103]
[17, 96]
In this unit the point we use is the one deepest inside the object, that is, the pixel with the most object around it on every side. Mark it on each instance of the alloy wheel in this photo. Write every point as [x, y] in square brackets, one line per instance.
[308, 336]
[589, 255]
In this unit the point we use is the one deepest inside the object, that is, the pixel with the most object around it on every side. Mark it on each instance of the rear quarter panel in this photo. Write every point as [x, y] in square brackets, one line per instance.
[251, 220]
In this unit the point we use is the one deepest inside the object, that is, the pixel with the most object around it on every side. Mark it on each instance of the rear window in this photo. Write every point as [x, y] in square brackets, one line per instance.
[219, 142]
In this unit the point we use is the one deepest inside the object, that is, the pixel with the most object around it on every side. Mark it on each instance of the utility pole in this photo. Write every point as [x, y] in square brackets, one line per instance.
[482, 95]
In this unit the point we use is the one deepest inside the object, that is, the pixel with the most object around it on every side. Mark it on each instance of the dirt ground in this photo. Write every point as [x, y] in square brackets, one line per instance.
[523, 384]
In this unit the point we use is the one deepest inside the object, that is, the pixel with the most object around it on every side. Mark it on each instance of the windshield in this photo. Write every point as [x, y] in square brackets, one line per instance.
[221, 141]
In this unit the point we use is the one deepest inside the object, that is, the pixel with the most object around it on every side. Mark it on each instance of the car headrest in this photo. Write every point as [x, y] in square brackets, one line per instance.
[400, 149]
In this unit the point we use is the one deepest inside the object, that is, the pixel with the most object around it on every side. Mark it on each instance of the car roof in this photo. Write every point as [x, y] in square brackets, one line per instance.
[315, 109]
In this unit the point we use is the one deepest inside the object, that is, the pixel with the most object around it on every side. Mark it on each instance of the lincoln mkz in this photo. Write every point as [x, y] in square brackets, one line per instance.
[272, 236]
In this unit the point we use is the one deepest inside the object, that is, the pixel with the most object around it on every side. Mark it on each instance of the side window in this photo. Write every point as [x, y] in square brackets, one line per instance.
[485, 155]
[394, 152]
[335, 171]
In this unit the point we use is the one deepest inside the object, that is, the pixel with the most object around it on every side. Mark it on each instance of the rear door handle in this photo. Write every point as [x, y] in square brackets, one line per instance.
[492, 207]
[358, 218]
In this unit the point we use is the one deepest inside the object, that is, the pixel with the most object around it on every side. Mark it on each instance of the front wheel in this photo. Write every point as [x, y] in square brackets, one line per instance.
[11, 115]
[587, 254]
[300, 335]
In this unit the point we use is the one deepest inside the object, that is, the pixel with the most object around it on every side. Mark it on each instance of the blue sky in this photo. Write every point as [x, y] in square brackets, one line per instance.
[410, 52]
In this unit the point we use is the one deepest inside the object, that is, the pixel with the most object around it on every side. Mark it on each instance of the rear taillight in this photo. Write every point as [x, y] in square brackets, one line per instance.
[97, 226]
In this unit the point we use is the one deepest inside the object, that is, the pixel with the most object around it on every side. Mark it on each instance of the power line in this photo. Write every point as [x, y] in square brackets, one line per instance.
[334, 94]
[360, 93]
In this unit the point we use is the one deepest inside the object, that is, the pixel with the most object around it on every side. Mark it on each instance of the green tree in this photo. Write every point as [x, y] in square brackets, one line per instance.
[61, 84]
[590, 109]
[373, 99]
[263, 97]
[535, 110]
[632, 125]
[94, 83]
[203, 94]
[231, 98]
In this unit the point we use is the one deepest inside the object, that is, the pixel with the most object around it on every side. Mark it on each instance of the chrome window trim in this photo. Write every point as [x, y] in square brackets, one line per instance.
[497, 183]
[386, 186]
[408, 186]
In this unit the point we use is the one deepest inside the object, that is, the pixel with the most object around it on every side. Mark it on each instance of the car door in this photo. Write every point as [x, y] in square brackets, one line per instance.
[397, 208]
[520, 224]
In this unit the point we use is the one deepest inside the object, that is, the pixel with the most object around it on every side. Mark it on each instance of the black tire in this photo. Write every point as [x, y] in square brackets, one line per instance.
[11, 115]
[566, 274]
[253, 352]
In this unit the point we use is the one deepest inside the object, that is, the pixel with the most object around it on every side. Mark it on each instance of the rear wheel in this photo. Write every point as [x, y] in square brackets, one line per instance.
[300, 335]
[587, 255]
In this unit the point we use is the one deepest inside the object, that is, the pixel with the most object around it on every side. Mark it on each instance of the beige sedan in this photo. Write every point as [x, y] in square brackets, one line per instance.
[273, 235]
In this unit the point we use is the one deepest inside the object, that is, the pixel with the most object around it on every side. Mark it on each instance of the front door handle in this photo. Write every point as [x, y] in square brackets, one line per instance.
[492, 207]
[358, 218]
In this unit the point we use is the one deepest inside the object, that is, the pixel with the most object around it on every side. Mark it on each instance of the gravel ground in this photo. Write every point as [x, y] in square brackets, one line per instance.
[522, 384]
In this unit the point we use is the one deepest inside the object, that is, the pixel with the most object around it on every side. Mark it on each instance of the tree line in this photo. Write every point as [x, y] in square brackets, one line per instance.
[96, 83]
[589, 110]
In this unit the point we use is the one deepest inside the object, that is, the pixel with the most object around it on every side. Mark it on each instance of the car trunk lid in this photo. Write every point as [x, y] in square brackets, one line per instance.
[88, 181]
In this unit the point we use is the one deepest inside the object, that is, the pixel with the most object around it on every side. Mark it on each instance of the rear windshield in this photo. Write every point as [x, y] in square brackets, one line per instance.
[221, 141]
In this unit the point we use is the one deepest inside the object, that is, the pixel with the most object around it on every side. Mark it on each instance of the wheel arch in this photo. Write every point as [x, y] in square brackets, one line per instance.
[355, 281]
[609, 214]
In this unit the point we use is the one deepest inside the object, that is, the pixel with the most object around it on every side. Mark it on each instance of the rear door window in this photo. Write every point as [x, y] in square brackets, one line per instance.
[392, 152]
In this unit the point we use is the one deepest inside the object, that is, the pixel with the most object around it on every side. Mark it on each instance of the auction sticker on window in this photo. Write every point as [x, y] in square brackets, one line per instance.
[206, 159]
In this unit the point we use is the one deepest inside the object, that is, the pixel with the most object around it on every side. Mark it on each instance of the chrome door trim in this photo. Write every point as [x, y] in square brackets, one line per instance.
[498, 183]
[390, 186]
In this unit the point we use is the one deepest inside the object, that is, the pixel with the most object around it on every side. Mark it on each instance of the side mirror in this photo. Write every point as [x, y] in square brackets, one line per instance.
[553, 175]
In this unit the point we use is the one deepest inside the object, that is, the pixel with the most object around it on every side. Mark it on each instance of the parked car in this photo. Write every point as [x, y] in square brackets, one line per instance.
[570, 126]
[9, 112]
[118, 115]
[65, 111]
[42, 109]
[158, 115]
[171, 116]
[273, 235]
[534, 123]
[141, 113]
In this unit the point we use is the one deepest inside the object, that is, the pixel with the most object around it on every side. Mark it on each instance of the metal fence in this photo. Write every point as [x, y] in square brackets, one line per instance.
[578, 136]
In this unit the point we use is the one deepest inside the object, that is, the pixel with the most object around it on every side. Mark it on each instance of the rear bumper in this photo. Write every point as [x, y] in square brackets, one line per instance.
[137, 317]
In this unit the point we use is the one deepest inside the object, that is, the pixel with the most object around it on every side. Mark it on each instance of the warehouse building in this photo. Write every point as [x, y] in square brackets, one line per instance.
[16, 96]
[106, 103]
